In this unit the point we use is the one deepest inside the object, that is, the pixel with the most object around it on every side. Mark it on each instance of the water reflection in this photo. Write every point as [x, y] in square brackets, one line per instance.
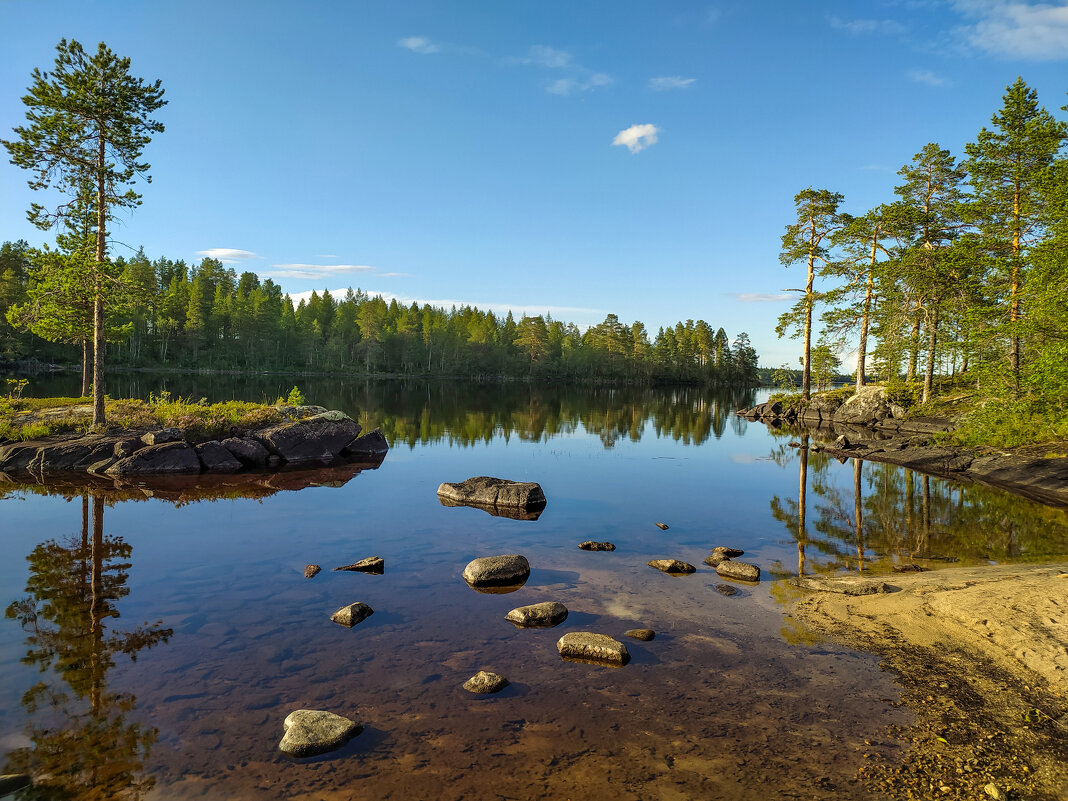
[86, 743]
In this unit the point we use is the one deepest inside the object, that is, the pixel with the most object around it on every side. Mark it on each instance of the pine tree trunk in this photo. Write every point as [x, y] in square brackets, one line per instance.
[862, 346]
[98, 287]
[87, 368]
[806, 370]
[932, 342]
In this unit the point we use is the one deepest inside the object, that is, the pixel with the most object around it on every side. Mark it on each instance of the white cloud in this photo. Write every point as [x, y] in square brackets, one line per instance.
[637, 137]
[929, 78]
[314, 272]
[762, 297]
[861, 26]
[227, 255]
[567, 86]
[577, 78]
[545, 56]
[670, 82]
[518, 310]
[418, 44]
[1016, 29]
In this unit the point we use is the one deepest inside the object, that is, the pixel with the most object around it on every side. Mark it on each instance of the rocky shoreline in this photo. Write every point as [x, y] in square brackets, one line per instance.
[869, 426]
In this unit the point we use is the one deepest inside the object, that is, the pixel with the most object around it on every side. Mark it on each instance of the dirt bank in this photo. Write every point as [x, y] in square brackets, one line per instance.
[982, 655]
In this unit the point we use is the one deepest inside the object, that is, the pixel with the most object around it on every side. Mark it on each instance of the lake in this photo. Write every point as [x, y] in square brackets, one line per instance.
[156, 638]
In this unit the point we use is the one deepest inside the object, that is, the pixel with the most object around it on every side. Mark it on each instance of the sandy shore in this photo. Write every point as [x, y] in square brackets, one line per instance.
[982, 656]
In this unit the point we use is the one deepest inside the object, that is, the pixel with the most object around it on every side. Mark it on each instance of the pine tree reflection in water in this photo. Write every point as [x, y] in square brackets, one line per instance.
[86, 743]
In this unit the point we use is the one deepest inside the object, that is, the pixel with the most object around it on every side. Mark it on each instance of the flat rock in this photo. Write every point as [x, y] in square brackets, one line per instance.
[372, 564]
[726, 589]
[641, 634]
[484, 682]
[586, 646]
[543, 615]
[674, 566]
[247, 451]
[311, 570]
[497, 571]
[311, 731]
[352, 614]
[590, 545]
[171, 457]
[318, 439]
[488, 492]
[739, 571]
[842, 586]
[216, 458]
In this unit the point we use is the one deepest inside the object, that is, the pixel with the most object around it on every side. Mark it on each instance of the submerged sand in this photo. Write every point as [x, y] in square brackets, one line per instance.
[982, 653]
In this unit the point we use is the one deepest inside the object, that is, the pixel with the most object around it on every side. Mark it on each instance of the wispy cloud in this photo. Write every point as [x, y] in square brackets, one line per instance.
[568, 86]
[577, 78]
[864, 26]
[394, 275]
[637, 137]
[545, 56]
[419, 44]
[762, 297]
[326, 255]
[928, 78]
[1016, 29]
[517, 309]
[227, 255]
[314, 272]
[670, 82]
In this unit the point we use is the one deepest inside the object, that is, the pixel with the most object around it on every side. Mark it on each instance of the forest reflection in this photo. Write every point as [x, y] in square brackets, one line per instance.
[86, 742]
[888, 515]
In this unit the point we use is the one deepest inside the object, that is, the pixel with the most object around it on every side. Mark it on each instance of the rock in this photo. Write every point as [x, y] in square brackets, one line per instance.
[216, 458]
[584, 646]
[483, 682]
[739, 571]
[843, 586]
[371, 445]
[171, 457]
[492, 494]
[996, 792]
[311, 570]
[17, 456]
[497, 571]
[865, 407]
[726, 589]
[352, 614]
[310, 731]
[10, 782]
[126, 446]
[590, 545]
[819, 409]
[909, 568]
[663, 526]
[318, 439]
[843, 442]
[543, 615]
[247, 451]
[74, 454]
[162, 436]
[722, 554]
[372, 564]
[672, 566]
[641, 634]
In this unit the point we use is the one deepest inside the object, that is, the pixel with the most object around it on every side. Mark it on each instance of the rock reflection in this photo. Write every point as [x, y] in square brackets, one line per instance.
[86, 742]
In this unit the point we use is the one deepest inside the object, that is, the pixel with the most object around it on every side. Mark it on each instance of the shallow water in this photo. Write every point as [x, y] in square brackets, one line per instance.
[167, 674]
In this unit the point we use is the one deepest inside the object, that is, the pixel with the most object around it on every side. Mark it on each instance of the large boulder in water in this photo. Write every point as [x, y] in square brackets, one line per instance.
[316, 439]
[585, 646]
[312, 731]
[497, 571]
[495, 495]
[543, 615]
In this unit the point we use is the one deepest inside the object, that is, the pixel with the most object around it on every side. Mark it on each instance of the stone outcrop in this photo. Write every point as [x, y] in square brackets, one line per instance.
[318, 439]
[495, 495]
[309, 732]
[247, 451]
[372, 446]
[584, 646]
[543, 615]
[216, 458]
[497, 571]
[170, 457]
[485, 682]
[352, 614]
[739, 571]
[672, 566]
[372, 564]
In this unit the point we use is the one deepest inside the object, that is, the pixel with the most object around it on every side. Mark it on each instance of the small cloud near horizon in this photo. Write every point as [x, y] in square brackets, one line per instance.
[858, 27]
[227, 255]
[314, 272]
[762, 297]
[418, 44]
[670, 82]
[637, 137]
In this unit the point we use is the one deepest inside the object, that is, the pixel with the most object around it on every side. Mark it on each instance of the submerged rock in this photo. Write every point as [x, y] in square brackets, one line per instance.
[590, 545]
[739, 571]
[311, 731]
[726, 589]
[372, 564]
[485, 492]
[543, 615]
[311, 570]
[843, 586]
[484, 682]
[673, 566]
[641, 634]
[352, 614]
[584, 646]
[497, 571]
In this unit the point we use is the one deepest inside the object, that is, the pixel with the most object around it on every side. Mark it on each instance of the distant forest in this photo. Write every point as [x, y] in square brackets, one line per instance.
[166, 314]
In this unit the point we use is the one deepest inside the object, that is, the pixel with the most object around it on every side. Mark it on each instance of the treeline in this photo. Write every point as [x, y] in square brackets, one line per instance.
[964, 272]
[165, 313]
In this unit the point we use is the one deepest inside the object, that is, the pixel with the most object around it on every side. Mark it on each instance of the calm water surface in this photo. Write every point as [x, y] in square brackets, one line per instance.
[155, 642]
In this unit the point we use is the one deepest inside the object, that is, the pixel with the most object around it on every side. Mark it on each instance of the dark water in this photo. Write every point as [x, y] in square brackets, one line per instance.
[172, 636]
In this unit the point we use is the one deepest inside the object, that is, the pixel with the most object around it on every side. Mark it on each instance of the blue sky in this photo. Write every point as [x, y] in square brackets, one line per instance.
[573, 157]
